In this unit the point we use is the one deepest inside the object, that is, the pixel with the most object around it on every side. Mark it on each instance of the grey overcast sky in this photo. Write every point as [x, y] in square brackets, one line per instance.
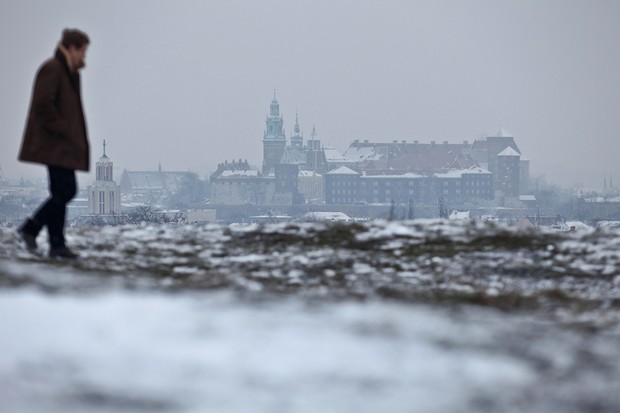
[188, 83]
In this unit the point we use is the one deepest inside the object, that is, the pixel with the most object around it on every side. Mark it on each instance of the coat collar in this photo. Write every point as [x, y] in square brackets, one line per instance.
[64, 56]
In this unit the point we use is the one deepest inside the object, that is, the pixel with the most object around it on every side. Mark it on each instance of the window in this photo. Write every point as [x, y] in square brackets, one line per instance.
[101, 202]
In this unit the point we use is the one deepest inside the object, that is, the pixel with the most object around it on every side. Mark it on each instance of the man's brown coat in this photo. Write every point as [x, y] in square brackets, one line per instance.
[56, 129]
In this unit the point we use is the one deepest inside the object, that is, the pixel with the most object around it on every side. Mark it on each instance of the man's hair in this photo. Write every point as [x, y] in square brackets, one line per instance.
[74, 37]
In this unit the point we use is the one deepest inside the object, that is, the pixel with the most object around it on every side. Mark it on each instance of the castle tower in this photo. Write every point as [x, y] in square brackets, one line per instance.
[507, 172]
[315, 155]
[297, 138]
[274, 139]
[104, 196]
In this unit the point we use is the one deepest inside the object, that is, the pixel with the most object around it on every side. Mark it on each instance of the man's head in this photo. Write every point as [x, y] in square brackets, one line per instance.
[75, 42]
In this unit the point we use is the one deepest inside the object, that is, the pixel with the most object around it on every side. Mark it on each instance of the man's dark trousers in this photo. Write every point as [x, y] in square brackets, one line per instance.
[52, 213]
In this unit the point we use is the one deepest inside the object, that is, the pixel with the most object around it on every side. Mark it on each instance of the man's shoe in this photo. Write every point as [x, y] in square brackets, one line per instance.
[62, 252]
[29, 240]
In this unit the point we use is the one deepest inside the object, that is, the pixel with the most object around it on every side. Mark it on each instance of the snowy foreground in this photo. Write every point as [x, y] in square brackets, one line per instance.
[422, 316]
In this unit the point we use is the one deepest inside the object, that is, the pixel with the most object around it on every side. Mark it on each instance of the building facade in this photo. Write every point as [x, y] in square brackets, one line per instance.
[237, 183]
[346, 186]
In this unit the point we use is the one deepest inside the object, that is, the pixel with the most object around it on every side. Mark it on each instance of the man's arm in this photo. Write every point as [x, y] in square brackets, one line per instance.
[45, 98]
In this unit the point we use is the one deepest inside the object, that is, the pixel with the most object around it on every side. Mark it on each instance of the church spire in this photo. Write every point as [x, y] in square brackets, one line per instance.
[314, 143]
[105, 167]
[274, 122]
[297, 139]
[274, 109]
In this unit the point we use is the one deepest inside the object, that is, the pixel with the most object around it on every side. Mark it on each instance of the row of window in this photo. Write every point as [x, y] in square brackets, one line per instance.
[102, 203]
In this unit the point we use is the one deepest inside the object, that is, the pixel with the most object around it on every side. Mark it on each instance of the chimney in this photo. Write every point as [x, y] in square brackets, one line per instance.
[403, 141]
[432, 142]
[445, 142]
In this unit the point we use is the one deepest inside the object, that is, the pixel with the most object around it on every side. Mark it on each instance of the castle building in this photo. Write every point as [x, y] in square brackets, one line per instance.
[346, 186]
[104, 195]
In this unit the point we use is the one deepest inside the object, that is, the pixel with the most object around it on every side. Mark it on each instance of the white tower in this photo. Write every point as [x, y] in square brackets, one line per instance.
[104, 196]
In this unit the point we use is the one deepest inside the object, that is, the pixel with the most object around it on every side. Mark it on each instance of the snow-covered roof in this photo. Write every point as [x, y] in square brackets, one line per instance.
[509, 152]
[239, 173]
[578, 225]
[327, 216]
[455, 174]
[459, 215]
[343, 170]
[405, 175]
[153, 180]
[458, 173]
[364, 153]
[503, 133]
[332, 155]
[309, 173]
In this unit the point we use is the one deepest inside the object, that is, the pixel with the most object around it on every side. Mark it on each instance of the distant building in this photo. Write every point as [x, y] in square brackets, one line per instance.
[237, 183]
[152, 186]
[507, 172]
[201, 216]
[311, 185]
[104, 195]
[342, 186]
[398, 157]
[274, 140]
[315, 155]
[287, 184]
[311, 156]
[371, 172]
[346, 186]
[524, 176]
[498, 154]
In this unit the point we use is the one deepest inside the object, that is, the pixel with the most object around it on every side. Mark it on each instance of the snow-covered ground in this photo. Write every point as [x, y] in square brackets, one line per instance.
[423, 316]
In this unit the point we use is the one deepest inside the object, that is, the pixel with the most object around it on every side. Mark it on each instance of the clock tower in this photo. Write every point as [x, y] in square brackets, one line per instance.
[274, 139]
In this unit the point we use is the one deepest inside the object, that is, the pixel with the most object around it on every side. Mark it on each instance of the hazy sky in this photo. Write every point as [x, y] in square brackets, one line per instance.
[188, 83]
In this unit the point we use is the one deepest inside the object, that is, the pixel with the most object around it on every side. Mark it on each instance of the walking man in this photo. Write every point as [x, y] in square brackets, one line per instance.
[56, 136]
